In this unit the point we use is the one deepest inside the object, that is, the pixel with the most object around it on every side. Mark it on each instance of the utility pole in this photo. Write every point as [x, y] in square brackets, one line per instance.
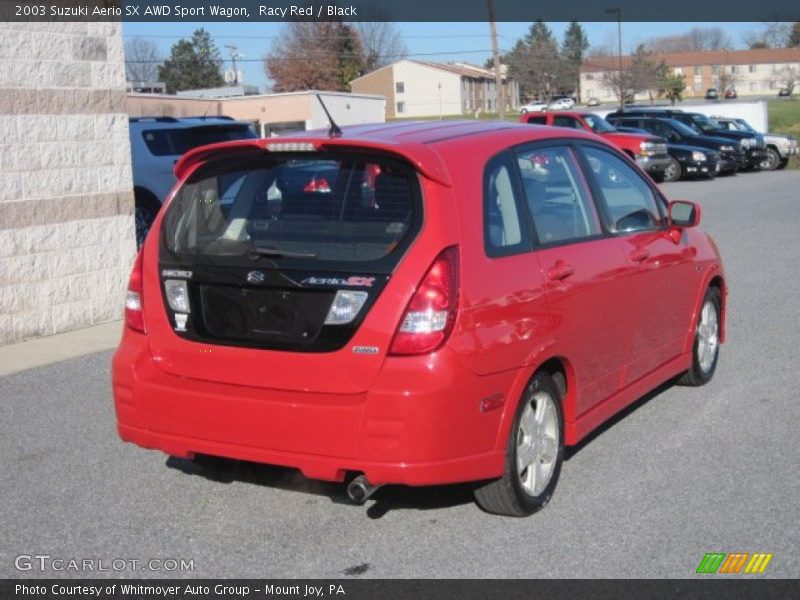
[500, 94]
[620, 78]
[233, 52]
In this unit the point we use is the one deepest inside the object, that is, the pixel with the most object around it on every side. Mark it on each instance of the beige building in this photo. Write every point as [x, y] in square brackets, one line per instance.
[270, 113]
[425, 89]
[66, 200]
[750, 72]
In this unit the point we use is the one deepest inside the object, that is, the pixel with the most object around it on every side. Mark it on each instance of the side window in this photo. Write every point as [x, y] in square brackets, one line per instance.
[628, 201]
[503, 227]
[557, 195]
[537, 120]
[564, 121]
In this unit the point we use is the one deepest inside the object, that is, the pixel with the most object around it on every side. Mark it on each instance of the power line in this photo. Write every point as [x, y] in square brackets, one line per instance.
[274, 37]
[313, 55]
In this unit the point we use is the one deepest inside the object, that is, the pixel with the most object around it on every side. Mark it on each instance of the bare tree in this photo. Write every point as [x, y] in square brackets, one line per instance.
[382, 44]
[774, 34]
[608, 47]
[640, 74]
[696, 39]
[141, 60]
[788, 77]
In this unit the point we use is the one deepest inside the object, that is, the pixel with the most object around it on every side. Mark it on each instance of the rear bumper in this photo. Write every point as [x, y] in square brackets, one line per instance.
[407, 429]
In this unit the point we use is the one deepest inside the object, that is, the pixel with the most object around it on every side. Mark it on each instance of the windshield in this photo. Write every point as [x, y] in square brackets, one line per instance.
[684, 130]
[745, 126]
[705, 124]
[598, 124]
[309, 207]
[174, 142]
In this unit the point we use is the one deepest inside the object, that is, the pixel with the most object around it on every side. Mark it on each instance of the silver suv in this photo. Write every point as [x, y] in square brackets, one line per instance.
[156, 145]
[779, 147]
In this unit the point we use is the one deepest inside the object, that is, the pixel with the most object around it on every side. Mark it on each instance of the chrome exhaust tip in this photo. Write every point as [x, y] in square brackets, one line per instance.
[360, 489]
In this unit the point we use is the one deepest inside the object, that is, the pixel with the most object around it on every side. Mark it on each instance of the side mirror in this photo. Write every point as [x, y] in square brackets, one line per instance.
[683, 213]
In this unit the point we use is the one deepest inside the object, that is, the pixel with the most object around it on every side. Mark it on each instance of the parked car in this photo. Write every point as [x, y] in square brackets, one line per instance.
[731, 156]
[784, 92]
[466, 300]
[156, 143]
[649, 151]
[687, 161]
[752, 143]
[730, 94]
[561, 103]
[779, 147]
[593, 102]
[533, 107]
[712, 94]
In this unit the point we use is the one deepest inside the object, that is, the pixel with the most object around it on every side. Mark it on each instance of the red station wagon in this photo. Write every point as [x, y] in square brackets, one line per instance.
[412, 303]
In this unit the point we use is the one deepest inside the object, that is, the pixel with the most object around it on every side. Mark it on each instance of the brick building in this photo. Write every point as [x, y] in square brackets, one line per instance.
[66, 231]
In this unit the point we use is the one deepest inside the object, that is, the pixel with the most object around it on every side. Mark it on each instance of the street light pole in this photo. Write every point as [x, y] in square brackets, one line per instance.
[618, 12]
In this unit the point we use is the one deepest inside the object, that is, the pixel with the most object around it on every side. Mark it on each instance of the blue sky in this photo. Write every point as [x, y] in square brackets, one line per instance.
[464, 42]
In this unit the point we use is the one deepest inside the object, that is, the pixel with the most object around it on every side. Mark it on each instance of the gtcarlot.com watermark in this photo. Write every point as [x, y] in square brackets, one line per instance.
[46, 562]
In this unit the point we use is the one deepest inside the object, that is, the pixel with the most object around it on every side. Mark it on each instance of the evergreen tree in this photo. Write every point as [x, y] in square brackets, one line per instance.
[575, 45]
[192, 64]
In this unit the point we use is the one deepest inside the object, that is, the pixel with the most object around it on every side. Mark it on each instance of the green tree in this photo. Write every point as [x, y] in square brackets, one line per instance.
[192, 64]
[536, 64]
[573, 49]
[794, 35]
[671, 85]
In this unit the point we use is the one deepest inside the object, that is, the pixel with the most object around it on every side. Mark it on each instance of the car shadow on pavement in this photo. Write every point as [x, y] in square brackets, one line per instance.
[385, 499]
[571, 451]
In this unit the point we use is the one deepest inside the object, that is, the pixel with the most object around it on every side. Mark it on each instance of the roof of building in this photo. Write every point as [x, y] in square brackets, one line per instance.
[460, 69]
[706, 57]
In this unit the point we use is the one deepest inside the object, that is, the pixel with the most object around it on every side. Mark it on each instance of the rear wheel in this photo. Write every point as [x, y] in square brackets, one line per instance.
[533, 457]
[673, 171]
[772, 161]
[705, 349]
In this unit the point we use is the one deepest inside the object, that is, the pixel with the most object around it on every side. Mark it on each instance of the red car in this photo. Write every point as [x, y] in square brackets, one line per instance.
[458, 303]
[649, 151]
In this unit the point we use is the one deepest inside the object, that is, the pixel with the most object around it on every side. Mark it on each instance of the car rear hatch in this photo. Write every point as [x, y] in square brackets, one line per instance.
[270, 266]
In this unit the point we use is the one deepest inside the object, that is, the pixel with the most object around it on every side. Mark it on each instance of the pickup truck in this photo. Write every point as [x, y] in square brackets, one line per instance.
[649, 151]
[779, 147]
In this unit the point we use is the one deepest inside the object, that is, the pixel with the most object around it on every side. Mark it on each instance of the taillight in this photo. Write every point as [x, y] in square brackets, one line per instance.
[431, 313]
[134, 311]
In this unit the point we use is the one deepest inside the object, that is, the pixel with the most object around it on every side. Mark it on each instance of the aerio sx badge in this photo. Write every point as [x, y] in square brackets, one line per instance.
[352, 281]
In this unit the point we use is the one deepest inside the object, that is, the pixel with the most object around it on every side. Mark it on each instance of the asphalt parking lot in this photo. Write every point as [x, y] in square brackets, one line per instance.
[684, 472]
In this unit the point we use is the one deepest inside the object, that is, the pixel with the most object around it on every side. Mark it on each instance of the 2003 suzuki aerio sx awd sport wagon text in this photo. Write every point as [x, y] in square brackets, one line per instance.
[413, 303]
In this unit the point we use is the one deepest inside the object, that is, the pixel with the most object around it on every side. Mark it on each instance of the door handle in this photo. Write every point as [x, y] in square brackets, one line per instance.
[639, 255]
[560, 270]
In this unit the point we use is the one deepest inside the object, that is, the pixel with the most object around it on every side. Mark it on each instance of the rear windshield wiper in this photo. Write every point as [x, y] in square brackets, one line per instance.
[257, 251]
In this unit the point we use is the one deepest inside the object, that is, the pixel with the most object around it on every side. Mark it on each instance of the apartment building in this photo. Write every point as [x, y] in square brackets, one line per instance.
[427, 89]
[760, 72]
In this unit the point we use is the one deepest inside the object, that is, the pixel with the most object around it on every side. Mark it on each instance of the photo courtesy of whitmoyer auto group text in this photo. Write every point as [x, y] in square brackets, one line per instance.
[475, 299]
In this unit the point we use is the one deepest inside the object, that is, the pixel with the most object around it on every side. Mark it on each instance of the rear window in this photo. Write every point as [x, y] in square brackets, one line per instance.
[174, 142]
[312, 207]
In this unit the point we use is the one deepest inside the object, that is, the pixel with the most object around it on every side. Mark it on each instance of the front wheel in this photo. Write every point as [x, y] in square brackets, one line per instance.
[705, 348]
[534, 455]
[673, 171]
[772, 161]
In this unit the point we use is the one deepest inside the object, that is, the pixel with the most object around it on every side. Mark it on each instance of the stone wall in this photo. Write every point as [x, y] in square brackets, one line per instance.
[66, 202]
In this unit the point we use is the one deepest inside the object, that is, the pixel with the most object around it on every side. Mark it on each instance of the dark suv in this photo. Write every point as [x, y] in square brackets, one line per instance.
[156, 145]
[731, 156]
[753, 144]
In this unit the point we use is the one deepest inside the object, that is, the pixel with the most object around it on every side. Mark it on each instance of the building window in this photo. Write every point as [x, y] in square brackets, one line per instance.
[751, 68]
[734, 69]
[697, 71]
[678, 71]
[401, 107]
[589, 93]
[715, 69]
[399, 87]
[774, 68]
[698, 86]
[589, 76]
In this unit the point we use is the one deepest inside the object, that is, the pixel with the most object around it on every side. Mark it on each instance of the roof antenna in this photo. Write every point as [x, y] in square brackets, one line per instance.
[335, 131]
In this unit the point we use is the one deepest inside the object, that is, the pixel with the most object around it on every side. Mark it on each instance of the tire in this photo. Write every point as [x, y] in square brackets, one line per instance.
[673, 172]
[144, 213]
[784, 162]
[539, 418]
[705, 346]
[524, 111]
[772, 161]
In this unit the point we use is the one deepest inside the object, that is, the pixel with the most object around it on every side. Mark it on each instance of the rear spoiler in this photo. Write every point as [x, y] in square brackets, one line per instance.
[421, 156]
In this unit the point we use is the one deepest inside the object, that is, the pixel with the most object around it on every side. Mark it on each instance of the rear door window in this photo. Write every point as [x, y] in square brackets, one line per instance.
[566, 121]
[174, 142]
[504, 227]
[557, 196]
[348, 209]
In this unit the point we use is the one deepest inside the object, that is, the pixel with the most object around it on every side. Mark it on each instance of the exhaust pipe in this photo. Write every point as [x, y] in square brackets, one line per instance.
[360, 489]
